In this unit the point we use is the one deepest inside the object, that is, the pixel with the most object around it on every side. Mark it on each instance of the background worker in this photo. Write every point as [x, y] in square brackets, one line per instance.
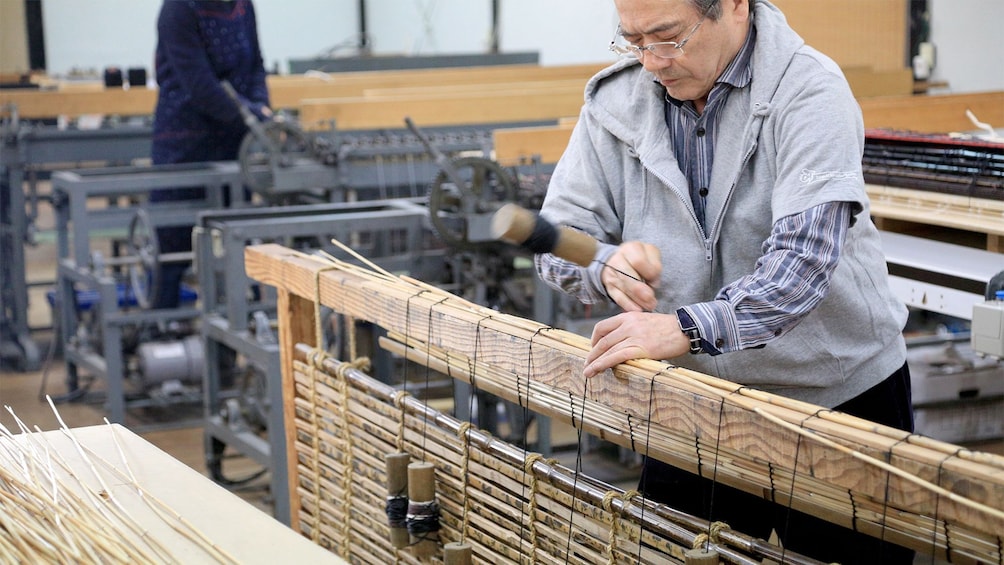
[721, 162]
[199, 44]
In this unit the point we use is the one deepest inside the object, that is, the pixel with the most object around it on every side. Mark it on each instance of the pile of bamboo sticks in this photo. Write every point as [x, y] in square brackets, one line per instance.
[941, 499]
[50, 512]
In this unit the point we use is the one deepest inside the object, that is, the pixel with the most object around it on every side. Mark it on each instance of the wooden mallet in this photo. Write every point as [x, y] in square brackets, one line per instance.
[522, 227]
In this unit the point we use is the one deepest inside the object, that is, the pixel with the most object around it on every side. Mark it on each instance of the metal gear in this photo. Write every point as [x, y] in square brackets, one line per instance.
[487, 186]
[286, 142]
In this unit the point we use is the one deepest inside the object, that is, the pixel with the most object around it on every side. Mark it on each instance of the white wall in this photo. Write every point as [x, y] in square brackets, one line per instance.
[969, 39]
[94, 34]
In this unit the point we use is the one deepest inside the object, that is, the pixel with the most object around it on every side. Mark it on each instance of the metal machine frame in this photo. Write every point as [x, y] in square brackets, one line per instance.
[82, 268]
[395, 237]
[28, 152]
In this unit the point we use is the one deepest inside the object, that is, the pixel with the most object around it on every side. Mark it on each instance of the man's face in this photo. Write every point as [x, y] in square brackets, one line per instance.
[709, 48]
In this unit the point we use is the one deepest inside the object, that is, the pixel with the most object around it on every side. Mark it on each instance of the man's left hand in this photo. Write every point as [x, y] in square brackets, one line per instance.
[634, 335]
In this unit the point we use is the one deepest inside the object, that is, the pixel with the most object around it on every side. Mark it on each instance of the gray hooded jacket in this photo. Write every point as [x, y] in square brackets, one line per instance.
[791, 140]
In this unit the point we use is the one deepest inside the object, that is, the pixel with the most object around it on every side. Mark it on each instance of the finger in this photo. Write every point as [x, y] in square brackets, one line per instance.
[611, 358]
[650, 268]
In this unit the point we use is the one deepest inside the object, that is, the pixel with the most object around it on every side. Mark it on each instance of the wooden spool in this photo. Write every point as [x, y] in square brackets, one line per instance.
[457, 553]
[700, 556]
[397, 485]
[422, 490]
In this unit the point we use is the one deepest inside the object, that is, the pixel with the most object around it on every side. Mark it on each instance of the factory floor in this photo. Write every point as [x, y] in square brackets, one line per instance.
[178, 432]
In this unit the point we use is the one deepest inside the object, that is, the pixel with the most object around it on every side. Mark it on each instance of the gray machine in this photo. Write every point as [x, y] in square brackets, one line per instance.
[29, 152]
[242, 376]
[107, 268]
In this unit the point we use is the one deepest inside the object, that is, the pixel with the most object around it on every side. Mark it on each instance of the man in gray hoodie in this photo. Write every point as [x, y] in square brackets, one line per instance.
[720, 162]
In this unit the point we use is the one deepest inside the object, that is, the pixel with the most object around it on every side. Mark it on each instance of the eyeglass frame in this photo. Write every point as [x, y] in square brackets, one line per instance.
[638, 50]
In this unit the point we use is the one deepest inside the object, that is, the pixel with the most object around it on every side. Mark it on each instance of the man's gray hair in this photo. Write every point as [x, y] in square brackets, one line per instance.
[713, 8]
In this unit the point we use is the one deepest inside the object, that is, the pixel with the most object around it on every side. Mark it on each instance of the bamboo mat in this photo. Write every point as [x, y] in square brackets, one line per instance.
[508, 504]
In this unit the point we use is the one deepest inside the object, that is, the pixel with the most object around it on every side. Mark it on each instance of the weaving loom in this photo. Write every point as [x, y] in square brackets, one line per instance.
[940, 499]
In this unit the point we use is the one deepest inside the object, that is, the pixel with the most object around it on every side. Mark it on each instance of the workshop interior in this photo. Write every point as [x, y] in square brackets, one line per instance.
[347, 295]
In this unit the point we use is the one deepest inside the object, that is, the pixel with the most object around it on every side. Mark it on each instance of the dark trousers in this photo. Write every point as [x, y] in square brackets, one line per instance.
[887, 403]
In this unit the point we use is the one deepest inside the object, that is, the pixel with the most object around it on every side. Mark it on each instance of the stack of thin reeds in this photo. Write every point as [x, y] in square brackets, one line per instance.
[52, 511]
[941, 499]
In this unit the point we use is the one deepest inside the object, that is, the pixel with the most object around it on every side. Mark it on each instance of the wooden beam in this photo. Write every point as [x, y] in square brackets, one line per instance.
[541, 86]
[296, 325]
[548, 143]
[462, 108]
[933, 114]
[35, 104]
[286, 91]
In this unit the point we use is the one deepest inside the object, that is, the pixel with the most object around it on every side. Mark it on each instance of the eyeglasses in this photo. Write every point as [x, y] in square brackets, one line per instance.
[661, 49]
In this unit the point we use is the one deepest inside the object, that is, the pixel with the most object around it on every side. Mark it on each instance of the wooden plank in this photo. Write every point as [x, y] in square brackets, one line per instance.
[513, 145]
[34, 104]
[479, 88]
[285, 92]
[868, 82]
[978, 215]
[297, 323]
[933, 114]
[441, 110]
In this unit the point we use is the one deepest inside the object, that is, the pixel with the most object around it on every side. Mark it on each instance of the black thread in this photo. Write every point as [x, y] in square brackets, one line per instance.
[397, 511]
[423, 518]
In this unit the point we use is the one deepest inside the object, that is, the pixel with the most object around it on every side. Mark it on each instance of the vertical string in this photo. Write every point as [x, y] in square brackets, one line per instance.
[407, 344]
[472, 371]
[528, 465]
[578, 459]
[648, 435]
[885, 500]
[428, 363]
[794, 474]
[714, 471]
[937, 503]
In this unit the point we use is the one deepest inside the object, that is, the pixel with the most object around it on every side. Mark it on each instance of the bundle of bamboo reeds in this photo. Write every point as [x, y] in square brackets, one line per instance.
[50, 513]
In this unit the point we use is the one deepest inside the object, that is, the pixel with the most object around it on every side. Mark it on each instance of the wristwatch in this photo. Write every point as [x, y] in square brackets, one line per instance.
[689, 329]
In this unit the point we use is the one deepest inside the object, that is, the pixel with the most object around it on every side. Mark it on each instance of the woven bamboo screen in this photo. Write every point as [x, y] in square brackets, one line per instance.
[509, 505]
[941, 499]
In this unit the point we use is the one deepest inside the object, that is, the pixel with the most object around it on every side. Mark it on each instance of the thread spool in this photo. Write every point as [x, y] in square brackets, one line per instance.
[136, 76]
[113, 77]
[423, 511]
[700, 556]
[522, 227]
[457, 553]
[397, 498]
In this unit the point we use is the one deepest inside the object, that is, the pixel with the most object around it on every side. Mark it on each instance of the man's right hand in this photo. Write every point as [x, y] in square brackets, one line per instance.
[631, 276]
